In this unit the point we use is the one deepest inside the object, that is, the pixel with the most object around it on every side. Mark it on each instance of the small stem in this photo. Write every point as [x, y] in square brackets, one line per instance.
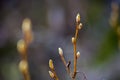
[26, 76]
[75, 53]
[63, 60]
[65, 64]
[76, 33]
[25, 57]
[75, 62]
[56, 77]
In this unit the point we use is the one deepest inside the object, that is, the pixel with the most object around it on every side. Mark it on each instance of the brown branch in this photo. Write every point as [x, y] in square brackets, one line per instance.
[74, 40]
[22, 47]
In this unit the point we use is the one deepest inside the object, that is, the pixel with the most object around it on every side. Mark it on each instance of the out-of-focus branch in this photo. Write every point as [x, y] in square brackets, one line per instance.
[22, 47]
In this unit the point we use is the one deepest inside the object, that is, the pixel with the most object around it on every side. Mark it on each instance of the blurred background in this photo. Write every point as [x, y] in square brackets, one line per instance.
[53, 25]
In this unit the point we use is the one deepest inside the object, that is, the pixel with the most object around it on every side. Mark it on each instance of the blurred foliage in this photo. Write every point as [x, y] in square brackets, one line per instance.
[10, 71]
[108, 48]
[94, 14]
[7, 50]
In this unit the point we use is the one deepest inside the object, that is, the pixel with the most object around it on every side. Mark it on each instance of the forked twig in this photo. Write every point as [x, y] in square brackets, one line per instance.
[76, 54]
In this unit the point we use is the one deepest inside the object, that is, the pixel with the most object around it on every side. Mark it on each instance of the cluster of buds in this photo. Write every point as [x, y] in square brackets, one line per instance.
[52, 72]
[22, 46]
[76, 54]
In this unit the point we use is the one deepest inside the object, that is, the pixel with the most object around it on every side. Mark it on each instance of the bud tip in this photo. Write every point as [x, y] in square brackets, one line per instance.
[60, 51]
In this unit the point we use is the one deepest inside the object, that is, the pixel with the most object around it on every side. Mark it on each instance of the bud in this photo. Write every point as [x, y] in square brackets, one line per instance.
[23, 66]
[51, 64]
[26, 26]
[80, 26]
[60, 51]
[21, 46]
[73, 40]
[78, 54]
[51, 74]
[78, 18]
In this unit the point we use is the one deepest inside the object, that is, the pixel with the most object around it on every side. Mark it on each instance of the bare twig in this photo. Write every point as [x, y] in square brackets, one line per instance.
[74, 40]
[67, 65]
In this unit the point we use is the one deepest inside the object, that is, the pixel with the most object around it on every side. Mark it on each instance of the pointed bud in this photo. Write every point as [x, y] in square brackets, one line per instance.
[60, 51]
[26, 26]
[21, 46]
[51, 74]
[78, 18]
[73, 40]
[23, 66]
[51, 64]
[78, 54]
[80, 26]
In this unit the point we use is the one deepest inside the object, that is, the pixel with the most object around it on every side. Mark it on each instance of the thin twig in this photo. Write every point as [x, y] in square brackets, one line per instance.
[67, 65]
[75, 56]
[56, 77]
[75, 48]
